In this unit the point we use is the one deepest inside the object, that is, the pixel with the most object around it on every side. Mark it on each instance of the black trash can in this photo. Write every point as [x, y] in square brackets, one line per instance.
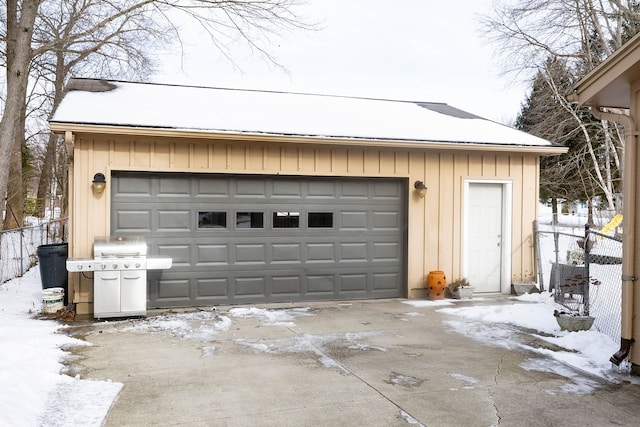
[53, 266]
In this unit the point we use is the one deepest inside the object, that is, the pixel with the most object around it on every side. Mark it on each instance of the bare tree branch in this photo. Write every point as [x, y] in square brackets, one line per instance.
[43, 42]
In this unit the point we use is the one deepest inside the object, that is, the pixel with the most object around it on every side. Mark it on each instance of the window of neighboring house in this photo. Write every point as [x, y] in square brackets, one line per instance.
[286, 219]
[210, 219]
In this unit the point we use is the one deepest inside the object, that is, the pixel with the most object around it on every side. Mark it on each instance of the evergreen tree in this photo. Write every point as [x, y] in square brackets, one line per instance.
[545, 114]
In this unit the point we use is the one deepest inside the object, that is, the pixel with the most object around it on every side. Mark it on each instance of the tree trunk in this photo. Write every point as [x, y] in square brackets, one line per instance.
[15, 191]
[14, 217]
[20, 21]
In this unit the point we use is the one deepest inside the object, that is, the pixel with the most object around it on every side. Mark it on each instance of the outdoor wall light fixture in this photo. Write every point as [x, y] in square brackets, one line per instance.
[99, 183]
[421, 189]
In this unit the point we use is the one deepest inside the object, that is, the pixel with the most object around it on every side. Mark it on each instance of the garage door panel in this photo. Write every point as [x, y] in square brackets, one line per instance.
[250, 254]
[387, 221]
[173, 289]
[353, 282]
[320, 284]
[212, 187]
[386, 281]
[353, 252]
[180, 254]
[321, 252]
[386, 251]
[207, 288]
[348, 239]
[354, 220]
[250, 286]
[212, 255]
[254, 188]
[133, 186]
[132, 221]
[354, 190]
[286, 253]
[290, 285]
[287, 190]
[389, 190]
[173, 187]
[321, 190]
[174, 221]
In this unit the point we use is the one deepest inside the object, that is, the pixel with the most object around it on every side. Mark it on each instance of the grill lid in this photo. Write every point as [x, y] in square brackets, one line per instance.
[119, 246]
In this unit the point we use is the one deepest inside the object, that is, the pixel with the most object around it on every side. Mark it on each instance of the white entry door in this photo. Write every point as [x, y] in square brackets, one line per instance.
[485, 236]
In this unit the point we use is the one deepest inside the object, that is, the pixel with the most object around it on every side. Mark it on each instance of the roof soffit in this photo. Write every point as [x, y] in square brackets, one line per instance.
[608, 85]
[179, 134]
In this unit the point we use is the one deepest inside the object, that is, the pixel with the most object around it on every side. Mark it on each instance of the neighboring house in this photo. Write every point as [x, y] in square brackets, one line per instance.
[613, 91]
[268, 196]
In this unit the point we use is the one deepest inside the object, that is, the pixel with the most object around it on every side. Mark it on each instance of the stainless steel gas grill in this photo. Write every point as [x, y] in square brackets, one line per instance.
[120, 277]
[120, 267]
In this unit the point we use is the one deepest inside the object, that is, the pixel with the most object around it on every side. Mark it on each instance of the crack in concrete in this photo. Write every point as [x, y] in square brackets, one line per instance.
[491, 391]
[404, 414]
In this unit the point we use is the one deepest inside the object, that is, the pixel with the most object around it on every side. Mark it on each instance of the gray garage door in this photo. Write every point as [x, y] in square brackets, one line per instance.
[249, 239]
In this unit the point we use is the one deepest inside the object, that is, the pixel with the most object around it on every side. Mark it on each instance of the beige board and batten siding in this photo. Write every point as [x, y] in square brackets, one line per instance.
[434, 223]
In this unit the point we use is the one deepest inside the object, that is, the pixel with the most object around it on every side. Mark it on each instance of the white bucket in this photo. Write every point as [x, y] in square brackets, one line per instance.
[52, 300]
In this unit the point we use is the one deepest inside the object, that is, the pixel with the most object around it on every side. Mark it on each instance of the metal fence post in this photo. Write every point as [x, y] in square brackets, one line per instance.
[587, 279]
[536, 233]
[556, 236]
[21, 252]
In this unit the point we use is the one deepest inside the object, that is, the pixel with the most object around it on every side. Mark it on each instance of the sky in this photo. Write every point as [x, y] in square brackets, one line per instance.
[415, 50]
[35, 389]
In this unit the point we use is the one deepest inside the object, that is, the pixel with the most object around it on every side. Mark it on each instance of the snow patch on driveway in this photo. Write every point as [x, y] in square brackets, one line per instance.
[575, 355]
[314, 344]
[282, 317]
[202, 326]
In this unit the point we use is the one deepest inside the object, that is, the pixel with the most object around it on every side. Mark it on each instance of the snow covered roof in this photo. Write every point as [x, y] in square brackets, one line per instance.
[251, 112]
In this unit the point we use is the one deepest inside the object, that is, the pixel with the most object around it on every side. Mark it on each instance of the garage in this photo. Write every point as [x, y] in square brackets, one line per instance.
[262, 196]
[265, 238]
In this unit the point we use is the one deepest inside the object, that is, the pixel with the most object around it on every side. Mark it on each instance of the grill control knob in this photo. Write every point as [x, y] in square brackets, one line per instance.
[115, 266]
[79, 267]
[137, 265]
[103, 266]
[126, 265]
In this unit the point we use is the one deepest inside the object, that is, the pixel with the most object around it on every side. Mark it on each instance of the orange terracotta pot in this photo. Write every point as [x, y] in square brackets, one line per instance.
[436, 283]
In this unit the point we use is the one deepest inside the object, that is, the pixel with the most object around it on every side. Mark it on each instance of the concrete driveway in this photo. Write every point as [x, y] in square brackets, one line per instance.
[358, 363]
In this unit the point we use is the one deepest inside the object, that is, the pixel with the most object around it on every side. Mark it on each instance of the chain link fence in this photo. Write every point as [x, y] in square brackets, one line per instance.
[19, 246]
[583, 270]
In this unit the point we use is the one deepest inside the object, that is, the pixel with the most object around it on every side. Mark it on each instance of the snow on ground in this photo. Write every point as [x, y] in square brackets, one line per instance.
[605, 294]
[586, 351]
[201, 326]
[271, 317]
[35, 390]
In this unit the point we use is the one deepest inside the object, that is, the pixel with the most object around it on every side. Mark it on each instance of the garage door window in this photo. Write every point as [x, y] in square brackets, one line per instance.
[212, 220]
[249, 220]
[320, 220]
[286, 219]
